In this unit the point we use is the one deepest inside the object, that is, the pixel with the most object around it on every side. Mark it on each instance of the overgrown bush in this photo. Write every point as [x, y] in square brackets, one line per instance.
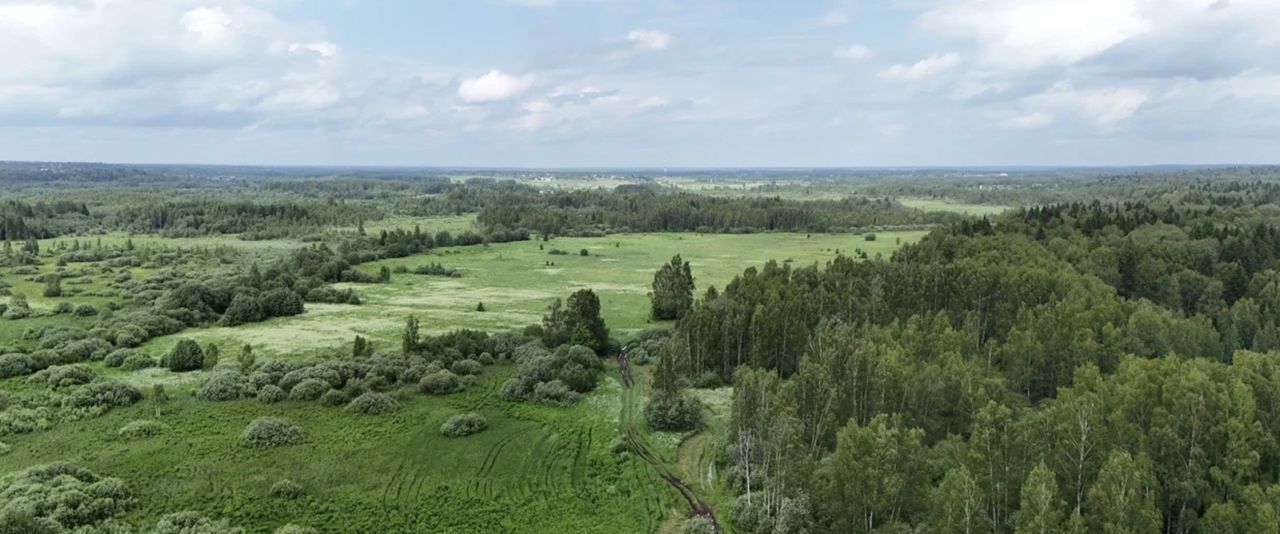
[465, 367]
[555, 393]
[373, 404]
[117, 357]
[98, 397]
[270, 394]
[463, 425]
[440, 383]
[141, 428]
[286, 489]
[224, 385]
[185, 356]
[673, 411]
[16, 364]
[334, 397]
[308, 390]
[61, 496]
[188, 522]
[268, 431]
[137, 362]
[61, 376]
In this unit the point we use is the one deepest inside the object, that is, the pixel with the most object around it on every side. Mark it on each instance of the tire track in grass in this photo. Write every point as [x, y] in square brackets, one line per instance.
[638, 446]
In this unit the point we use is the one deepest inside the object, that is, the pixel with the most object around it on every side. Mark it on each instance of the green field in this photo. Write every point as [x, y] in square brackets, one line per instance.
[934, 204]
[536, 469]
[516, 283]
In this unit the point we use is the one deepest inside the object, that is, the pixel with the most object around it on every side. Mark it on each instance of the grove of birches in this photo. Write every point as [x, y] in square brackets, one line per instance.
[1100, 357]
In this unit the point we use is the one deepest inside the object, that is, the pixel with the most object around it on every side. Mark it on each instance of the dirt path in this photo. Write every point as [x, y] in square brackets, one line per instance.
[697, 506]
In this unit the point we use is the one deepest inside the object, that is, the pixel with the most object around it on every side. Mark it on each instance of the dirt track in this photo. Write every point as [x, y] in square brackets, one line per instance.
[697, 507]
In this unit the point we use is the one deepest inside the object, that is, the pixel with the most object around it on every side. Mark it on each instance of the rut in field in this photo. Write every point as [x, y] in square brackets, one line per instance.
[697, 506]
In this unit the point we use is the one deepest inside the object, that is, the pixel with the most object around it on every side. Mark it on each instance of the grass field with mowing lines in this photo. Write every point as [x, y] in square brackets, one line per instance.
[536, 469]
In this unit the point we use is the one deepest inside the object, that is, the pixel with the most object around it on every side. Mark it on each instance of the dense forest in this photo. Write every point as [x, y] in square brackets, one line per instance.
[1099, 366]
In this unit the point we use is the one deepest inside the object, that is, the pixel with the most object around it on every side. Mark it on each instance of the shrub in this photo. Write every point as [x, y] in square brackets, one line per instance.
[16, 313]
[104, 394]
[137, 362]
[440, 383]
[185, 356]
[244, 308]
[15, 364]
[63, 494]
[309, 390]
[86, 310]
[224, 386]
[280, 303]
[373, 404]
[485, 359]
[267, 431]
[708, 380]
[270, 394]
[4, 448]
[296, 529]
[141, 428]
[696, 525]
[465, 367]
[63, 307]
[189, 522]
[62, 376]
[117, 357]
[463, 425]
[555, 393]
[674, 412]
[334, 397]
[286, 489]
[325, 374]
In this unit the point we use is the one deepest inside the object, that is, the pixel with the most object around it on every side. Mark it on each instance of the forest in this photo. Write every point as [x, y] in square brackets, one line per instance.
[292, 350]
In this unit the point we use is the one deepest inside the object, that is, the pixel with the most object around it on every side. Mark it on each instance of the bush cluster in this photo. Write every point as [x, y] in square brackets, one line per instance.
[463, 425]
[141, 428]
[552, 377]
[266, 432]
[373, 403]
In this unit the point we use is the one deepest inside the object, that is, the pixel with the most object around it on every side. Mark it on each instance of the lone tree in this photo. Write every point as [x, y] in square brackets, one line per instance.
[53, 285]
[578, 321]
[409, 339]
[672, 290]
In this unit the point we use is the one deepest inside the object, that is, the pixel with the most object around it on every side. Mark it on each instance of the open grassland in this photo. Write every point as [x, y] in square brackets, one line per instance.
[536, 469]
[935, 204]
[517, 281]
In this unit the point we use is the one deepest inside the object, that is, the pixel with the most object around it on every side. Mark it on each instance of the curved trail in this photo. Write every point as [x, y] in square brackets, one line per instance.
[697, 506]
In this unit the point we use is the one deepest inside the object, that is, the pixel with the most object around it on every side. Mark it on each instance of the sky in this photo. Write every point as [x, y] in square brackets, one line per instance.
[641, 83]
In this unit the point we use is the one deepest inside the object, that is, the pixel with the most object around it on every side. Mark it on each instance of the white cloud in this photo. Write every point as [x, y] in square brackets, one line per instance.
[922, 69]
[1102, 106]
[493, 86]
[1031, 33]
[649, 40]
[852, 53]
[1035, 119]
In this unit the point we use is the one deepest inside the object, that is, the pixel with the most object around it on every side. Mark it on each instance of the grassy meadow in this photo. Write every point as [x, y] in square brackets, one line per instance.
[517, 281]
[536, 469]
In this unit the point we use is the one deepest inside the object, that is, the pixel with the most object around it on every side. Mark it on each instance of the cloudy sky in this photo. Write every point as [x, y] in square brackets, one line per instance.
[557, 83]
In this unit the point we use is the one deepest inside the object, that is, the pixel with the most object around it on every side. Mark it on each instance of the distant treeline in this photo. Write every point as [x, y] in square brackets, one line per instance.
[653, 209]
